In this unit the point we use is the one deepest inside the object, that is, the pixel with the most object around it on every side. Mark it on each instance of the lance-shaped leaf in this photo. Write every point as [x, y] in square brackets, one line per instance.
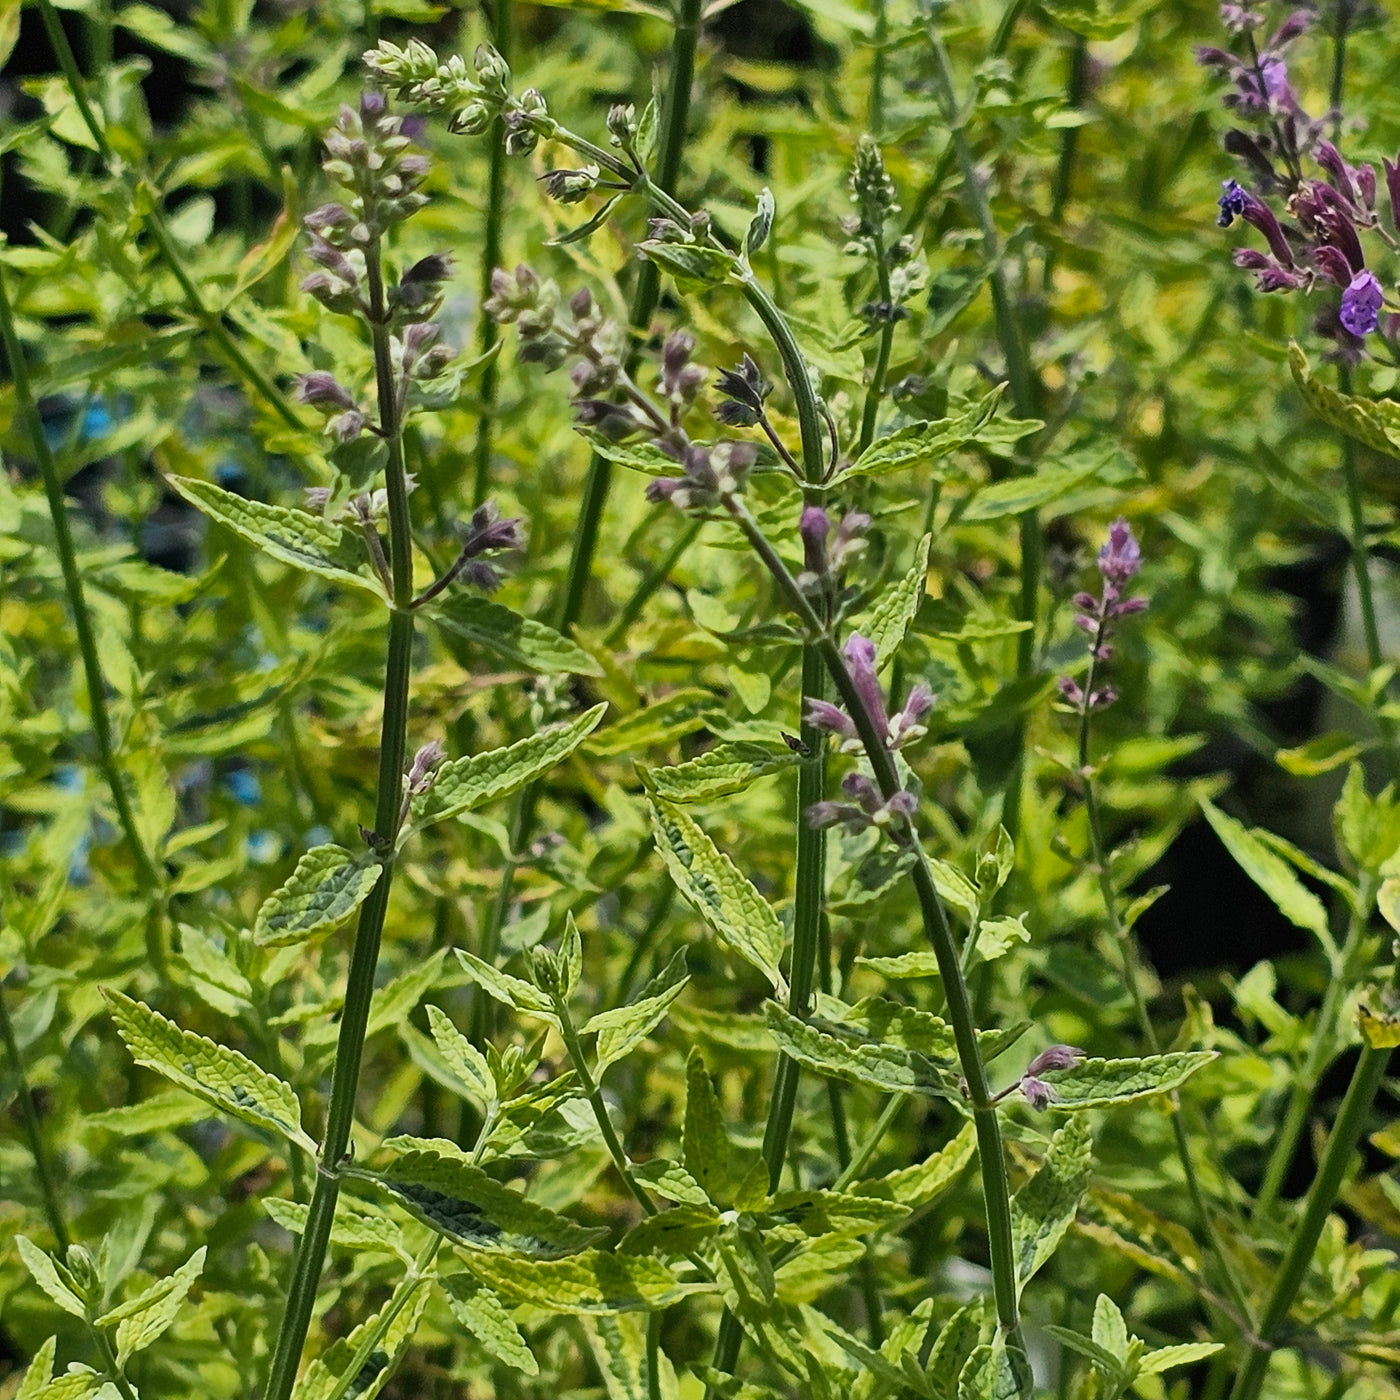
[888, 1067]
[1104, 1083]
[1045, 1207]
[483, 1314]
[327, 886]
[724, 898]
[1376, 422]
[825, 1212]
[694, 266]
[463, 1058]
[141, 1320]
[510, 991]
[39, 1373]
[679, 714]
[52, 1277]
[625, 1027]
[619, 1346]
[591, 1282]
[889, 620]
[519, 640]
[954, 1347]
[672, 1232]
[1298, 904]
[996, 1372]
[1018, 494]
[296, 537]
[354, 1227]
[459, 1199]
[471, 782]
[670, 1180]
[358, 1366]
[704, 1142]
[718, 772]
[917, 1185]
[214, 1073]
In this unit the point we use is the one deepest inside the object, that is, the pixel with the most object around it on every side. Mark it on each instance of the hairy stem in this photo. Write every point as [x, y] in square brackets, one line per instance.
[875, 389]
[364, 958]
[147, 875]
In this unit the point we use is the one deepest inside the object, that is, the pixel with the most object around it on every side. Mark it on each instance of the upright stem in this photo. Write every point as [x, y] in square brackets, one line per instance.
[1346, 1132]
[211, 321]
[487, 331]
[364, 957]
[42, 1168]
[875, 390]
[1069, 147]
[147, 875]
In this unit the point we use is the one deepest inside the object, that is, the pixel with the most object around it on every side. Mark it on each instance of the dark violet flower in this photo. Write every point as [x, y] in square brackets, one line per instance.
[1361, 304]
[1119, 561]
[1233, 201]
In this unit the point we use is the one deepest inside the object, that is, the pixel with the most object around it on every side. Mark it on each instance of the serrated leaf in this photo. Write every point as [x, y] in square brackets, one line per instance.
[353, 1227]
[917, 1185]
[694, 266]
[40, 1369]
[1018, 494]
[46, 1274]
[1105, 1083]
[1271, 873]
[591, 1282]
[462, 1057]
[1109, 1331]
[1376, 422]
[458, 1199]
[625, 1027]
[214, 1073]
[920, 963]
[326, 887]
[679, 714]
[889, 621]
[718, 772]
[825, 1212]
[509, 991]
[672, 1181]
[956, 1342]
[143, 1319]
[1184, 1354]
[887, 1067]
[724, 898]
[518, 639]
[358, 1366]
[619, 1345]
[483, 1314]
[705, 1144]
[296, 537]
[996, 1372]
[1086, 1346]
[1045, 1207]
[680, 1230]
[467, 783]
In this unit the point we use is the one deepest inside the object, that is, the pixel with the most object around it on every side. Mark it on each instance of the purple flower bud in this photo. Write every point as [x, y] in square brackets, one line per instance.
[322, 390]
[815, 525]
[488, 531]
[424, 768]
[905, 726]
[1070, 689]
[902, 804]
[821, 815]
[1039, 1094]
[1120, 558]
[1262, 217]
[822, 714]
[1297, 23]
[1332, 264]
[1392, 185]
[663, 488]
[373, 104]
[1055, 1057]
[1330, 159]
[860, 656]
[1361, 304]
[858, 786]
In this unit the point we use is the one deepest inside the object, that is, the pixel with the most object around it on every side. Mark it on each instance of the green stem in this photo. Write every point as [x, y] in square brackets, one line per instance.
[995, 1183]
[1346, 1133]
[147, 875]
[1321, 1048]
[109, 1361]
[872, 1142]
[875, 390]
[877, 70]
[1069, 148]
[42, 1169]
[487, 331]
[211, 321]
[364, 957]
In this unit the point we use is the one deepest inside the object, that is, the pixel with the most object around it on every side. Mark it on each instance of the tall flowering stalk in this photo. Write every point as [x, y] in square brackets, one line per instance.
[370, 158]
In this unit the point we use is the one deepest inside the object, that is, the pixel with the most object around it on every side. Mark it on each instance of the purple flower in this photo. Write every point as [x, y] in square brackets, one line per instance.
[822, 714]
[1361, 304]
[1039, 1094]
[905, 727]
[1120, 558]
[860, 656]
[1233, 202]
[1055, 1057]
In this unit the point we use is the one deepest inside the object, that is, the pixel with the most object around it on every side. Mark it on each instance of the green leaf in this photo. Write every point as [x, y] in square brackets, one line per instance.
[40, 1370]
[724, 898]
[1185, 1354]
[922, 444]
[483, 1314]
[1271, 873]
[679, 714]
[762, 222]
[888, 1067]
[996, 1372]
[1376, 422]
[591, 1282]
[143, 1319]
[327, 886]
[920, 963]
[509, 991]
[354, 1226]
[467, 783]
[458, 1199]
[721, 771]
[705, 1144]
[889, 621]
[296, 537]
[671, 1180]
[463, 1058]
[1045, 1207]
[956, 1342]
[918, 1185]
[625, 1027]
[694, 266]
[47, 1275]
[1104, 1083]
[1107, 1363]
[1109, 1331]
[358, 1366]
[1320, 755]
[218, 1075]
[619, 1345]
[680, 1230]
[1388, 902]
[518, 639]
[1018, 494]
[1380, 1030]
